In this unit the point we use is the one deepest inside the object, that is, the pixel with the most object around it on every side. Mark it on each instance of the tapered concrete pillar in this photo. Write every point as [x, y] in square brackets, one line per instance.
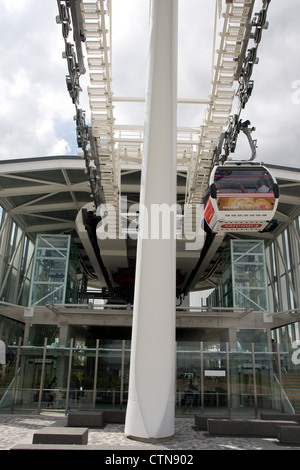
[151, 401]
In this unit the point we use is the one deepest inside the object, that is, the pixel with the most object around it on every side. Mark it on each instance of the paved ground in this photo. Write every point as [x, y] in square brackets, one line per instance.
[18, 429]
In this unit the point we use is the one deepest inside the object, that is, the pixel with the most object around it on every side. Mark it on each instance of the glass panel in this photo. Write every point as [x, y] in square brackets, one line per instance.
[209, 396]
[55, 242]
[250, 298]
[109, 374]
[242, 396]
[51, 253]
[28, 380]
[243, 180]
[244, 189]
[56, 378]
[249, 275]
[249, 278]
[215, 381]
[188, 395]
[50, 269]
[244, 247]
[45, 293]
[38, 333]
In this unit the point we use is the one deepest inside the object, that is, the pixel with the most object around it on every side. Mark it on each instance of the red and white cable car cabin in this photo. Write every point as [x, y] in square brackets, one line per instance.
[242, 197]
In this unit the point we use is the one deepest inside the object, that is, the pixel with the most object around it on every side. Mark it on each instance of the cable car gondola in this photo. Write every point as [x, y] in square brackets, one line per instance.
[242, 197]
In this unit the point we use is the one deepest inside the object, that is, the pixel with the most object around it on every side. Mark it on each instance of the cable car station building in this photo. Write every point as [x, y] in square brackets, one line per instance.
[103, 258]
[67, 298]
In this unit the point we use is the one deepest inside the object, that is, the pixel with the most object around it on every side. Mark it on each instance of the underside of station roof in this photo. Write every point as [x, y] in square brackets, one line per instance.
[52, 195]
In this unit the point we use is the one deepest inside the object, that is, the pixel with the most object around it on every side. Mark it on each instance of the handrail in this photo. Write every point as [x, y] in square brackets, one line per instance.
[288, 385]
[9, 389]
[286, 398]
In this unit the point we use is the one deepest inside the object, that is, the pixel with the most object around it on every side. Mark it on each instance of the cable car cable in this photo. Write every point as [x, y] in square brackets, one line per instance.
[228, 138]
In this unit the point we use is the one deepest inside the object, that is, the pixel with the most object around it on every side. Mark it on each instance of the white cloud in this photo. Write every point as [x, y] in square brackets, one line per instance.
[37, 112]
[61, 147]
[16, 8]
[270, 108]
[35, 103]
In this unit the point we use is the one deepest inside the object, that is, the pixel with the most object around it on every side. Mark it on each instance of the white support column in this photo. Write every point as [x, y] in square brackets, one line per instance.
[151, 401]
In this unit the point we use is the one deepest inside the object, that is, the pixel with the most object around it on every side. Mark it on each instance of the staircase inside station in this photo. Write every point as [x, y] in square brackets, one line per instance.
[291, 387]
[6, 380]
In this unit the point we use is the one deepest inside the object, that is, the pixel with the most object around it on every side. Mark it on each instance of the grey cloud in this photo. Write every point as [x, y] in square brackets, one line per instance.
[38, 114]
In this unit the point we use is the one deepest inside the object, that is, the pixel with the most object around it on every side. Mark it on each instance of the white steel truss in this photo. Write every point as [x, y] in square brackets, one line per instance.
[221, 96]
[97, 29]
[121, 147]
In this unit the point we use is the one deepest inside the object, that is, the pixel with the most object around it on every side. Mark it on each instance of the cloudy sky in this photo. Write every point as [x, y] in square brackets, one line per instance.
[37, 112]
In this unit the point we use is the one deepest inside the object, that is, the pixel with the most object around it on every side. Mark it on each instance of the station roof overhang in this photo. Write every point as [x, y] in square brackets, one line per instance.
[117, 317]
[45, 194]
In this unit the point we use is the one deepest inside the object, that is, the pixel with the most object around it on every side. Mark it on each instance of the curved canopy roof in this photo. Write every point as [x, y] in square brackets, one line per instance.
[45, 195]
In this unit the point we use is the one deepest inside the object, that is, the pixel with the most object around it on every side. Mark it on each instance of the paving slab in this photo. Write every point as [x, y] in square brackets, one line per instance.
[19, 429]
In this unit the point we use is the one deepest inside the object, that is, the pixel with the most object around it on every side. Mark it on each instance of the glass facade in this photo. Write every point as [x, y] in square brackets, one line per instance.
[241, 378]
[11, 330]
[237, 379]
[244, 275]
[283, 269]
[16, 255]
[54, 271]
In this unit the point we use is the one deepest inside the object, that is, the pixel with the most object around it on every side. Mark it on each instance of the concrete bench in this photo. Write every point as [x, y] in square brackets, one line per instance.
[201, 420]
[89, 419]
[111, 448]
[240, 427]
[95, 419]
[61, 435]
[288, 434]
[280, 417]
[114, 416]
